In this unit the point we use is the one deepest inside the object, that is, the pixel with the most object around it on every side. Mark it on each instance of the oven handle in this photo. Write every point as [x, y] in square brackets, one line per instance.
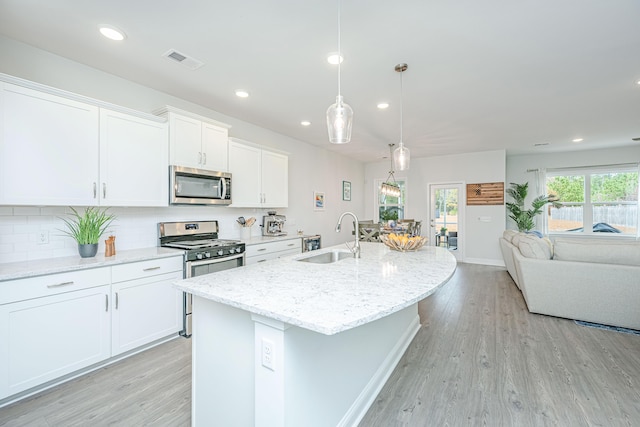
[215, 260]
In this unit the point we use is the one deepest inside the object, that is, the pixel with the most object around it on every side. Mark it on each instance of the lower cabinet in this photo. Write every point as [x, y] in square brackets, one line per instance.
[53, 325]
[144, 310]
[45, 338]
[262, 252]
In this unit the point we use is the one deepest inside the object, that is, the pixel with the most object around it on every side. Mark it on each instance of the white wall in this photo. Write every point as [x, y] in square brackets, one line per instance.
[310, 168]
[481, 238]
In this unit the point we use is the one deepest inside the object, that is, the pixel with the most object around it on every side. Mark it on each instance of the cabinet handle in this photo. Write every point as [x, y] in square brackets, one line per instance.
[150, 268]
[56, 285]
[262, 260]
[106, 302]
[199, 158]
[116, 301]
[204, 158]
[95, 190]
[104, 190]
[263, 249]
[291, 244]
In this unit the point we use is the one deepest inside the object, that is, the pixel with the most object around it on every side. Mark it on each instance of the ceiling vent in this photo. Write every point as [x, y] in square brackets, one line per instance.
[181, 58]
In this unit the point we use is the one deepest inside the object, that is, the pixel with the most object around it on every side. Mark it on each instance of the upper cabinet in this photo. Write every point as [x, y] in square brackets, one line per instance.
[48, 149]
[260, 177]
[133, 161]
[195, 141]
[61, 149]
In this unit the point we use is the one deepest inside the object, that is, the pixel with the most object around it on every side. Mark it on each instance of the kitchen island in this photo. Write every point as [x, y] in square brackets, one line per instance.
[289, 343]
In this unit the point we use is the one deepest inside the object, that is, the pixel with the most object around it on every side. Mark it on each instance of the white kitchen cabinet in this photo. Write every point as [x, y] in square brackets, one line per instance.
[51, 326]
[195, 141]
[266, 251]
[260, 177]
[134, 164]
[146, 306]
[48, 149]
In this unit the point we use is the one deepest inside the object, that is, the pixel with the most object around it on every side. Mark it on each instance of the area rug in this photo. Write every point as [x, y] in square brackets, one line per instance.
[607, 327]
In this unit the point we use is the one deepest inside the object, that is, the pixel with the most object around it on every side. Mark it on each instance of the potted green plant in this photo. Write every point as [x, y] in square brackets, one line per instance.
[524, 218]
[86, 229]
[443, 231]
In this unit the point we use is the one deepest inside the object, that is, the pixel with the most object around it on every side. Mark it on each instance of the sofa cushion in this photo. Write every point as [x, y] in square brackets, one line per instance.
[508, 235]
[624, 253]
[532, 246]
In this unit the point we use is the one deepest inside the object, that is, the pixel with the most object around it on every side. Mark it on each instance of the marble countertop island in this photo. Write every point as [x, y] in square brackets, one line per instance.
[329, 298]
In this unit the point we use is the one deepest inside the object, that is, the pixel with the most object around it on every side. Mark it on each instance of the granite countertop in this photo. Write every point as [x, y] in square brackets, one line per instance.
[41, 267]
[330, 298]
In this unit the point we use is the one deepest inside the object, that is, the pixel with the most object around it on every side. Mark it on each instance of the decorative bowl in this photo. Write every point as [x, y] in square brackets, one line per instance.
[402, 242]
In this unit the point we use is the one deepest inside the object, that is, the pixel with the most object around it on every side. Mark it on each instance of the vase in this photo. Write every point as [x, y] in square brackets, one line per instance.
[88, 250]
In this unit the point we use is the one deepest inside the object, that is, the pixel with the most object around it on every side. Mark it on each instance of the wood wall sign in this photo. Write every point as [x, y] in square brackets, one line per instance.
[489, 193]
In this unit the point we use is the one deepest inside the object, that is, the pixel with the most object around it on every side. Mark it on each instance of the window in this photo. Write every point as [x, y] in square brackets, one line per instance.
[391, 208]
[594, 200]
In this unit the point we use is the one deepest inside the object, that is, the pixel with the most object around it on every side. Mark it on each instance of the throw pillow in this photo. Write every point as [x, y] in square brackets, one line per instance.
[508, 235]
[531, 246]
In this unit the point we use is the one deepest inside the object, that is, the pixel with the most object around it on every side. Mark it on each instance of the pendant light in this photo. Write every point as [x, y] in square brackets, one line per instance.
[401, 156]
[390, 187]
[339, 115]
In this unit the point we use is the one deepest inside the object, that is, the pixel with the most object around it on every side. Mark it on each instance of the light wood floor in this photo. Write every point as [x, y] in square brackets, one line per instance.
[480, 359]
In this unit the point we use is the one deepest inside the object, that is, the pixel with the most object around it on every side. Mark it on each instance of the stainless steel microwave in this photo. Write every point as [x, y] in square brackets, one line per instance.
[189, 186]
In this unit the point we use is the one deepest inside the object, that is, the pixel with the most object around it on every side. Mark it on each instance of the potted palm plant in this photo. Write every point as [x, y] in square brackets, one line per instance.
[86, 229]
[524, 218]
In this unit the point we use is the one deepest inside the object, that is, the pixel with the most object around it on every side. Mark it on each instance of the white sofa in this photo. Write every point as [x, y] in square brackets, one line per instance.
[593, 280]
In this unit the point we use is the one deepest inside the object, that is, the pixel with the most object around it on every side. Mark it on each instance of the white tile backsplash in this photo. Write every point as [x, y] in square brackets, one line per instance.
[134, 228]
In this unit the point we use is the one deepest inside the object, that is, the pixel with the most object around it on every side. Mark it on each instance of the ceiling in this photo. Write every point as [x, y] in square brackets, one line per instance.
[482, 75]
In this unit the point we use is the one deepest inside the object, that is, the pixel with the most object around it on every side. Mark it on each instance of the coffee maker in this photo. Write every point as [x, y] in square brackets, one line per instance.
[273, 225]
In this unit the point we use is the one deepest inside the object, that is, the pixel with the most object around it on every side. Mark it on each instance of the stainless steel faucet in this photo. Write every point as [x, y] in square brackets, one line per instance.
[356, 246]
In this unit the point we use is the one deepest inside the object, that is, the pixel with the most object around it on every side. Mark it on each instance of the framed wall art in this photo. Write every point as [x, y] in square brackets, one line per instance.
[318, 201]
[346, 190]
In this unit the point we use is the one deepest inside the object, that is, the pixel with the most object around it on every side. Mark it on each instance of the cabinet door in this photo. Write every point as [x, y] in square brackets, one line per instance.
[48, 149]
[134, 164]
[45, 338]
[185, 140]
[145, 310]
[245, 165]
[214, 148]
[275, 180]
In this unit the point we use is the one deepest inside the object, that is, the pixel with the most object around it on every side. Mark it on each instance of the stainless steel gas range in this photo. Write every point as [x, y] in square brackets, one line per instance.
[204, 254]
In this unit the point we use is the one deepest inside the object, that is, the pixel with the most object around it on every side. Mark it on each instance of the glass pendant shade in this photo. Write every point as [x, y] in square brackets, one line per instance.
[401, 157]
[339, 122]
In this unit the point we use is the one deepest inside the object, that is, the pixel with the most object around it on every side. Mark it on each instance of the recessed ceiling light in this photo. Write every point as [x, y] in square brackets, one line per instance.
[383, 105]
[334, 58]
[242, 93]
[577, 140]
[305, 123]
[112, 33]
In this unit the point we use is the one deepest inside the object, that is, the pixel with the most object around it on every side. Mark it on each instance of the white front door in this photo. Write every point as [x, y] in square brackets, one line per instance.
[446, 217]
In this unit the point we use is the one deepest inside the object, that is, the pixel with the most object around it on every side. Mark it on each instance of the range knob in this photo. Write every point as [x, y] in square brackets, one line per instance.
[207, 254]
[238, 249]
[220, 252]
[199, 255]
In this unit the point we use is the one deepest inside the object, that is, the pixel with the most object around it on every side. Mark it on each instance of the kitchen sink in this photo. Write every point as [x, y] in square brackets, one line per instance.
[328, 257]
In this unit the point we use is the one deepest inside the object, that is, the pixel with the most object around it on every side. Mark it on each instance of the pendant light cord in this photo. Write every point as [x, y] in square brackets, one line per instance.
[401, 107]
[339, 51]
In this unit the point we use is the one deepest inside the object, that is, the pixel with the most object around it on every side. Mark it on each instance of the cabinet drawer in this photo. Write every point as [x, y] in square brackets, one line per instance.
[53, 284]
[281, 245]
[154, 267]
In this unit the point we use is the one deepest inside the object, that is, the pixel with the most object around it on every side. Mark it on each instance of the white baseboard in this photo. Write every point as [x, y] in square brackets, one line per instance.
[358, 410]
[485, 261]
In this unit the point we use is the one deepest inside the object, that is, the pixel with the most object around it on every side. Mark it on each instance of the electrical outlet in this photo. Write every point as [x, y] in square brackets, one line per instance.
[43, 237]
[267, 354]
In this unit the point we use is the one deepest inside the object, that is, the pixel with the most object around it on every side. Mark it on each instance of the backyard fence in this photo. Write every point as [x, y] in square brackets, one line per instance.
[619, 215]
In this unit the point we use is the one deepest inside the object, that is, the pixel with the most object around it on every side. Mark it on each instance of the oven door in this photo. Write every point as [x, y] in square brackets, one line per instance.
[198, 268]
